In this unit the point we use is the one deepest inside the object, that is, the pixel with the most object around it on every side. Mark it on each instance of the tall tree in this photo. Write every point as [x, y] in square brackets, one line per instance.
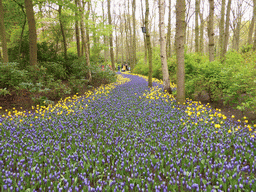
[168, 43]
[77, 32]
[249, 41]
[63, 32]
[144, 37]
[111, 39]
[197, 26]
[148, 46]
[179, 43]
[226, 31]
[86, 51]
[210, 31]
[166, 80]
[202, 33]
[134, 33]
[254, 13]
[32, 32]
[221, 26]
[2, 33]
[104, 36]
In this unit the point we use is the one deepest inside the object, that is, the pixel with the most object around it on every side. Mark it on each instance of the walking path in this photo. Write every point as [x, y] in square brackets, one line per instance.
[126, 137]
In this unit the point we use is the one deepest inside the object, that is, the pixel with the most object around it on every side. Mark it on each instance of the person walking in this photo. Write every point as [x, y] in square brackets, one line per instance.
[118, 67]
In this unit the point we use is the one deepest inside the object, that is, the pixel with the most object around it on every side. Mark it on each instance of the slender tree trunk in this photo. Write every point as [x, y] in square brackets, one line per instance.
[87, 25]
[63, 33]
[116, 43]
[237, 34]
[111, 39]
[148, 46]
[202, 33]
[180, 32]
[197, 26]
[168, 44]
[221, 27]
[87, 56]
[254, 13]
[166, 80]
[251, 31]
[226, 30]
[144, 37]
[134, 34]
[3, 35]
[32, 32]
[104, 36]
[77, 32]
[210, 31]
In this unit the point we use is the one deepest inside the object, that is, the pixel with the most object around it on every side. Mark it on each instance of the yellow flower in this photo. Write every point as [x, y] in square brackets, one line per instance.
[229, 131]
[246, 121]
[20, 120]
[217, 125]
[252, 136]
[1, 124]
[244, 117]
[254, 125]
[0, 107]
[31, 125]
[216, 131]
[233, 116]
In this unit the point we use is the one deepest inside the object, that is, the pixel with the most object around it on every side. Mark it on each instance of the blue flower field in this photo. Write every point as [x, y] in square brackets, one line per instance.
[126, 137]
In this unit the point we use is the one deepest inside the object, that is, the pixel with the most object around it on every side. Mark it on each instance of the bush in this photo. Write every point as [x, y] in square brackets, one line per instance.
[55, 69]
[102, 77]
[57, 89]
[78, 68]
[77, 85]
[11, 76]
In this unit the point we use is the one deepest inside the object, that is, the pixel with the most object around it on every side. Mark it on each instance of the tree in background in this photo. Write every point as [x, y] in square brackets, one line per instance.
[134, 33]
[77, 30]
[226, 31]
[254, 13]
[32, 32]
[148, 46]
[2, 33]
[166, 80]
[179, 43]
[210, 31]
[197, 25]
[221, 26]
[168, 42]
[111, 39]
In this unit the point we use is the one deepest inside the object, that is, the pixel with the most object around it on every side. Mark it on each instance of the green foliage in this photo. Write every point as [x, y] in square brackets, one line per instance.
[246, 48]
[102, 77]
[78, 68]
[4, 92]
[42, 101]
[56, 69]
[56, 89]
[77, 85]
[11, 76]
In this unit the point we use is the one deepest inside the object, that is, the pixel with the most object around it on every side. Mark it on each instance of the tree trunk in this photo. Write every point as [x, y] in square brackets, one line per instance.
[166, 80]
[251, 31]
[202, 33]
[77, 32]
[226, 31]
[168, 44]
[3, 36]
[254, 13]
[134, 34]
[87, 25]
[104, 36]
[111, 39]
[196, 26]
[210, 31]
[63, 33]
[180, 32]
[32, 32]
[144, 37]
[221, 26]
[237, 34]
[148, 46]
[87, 56]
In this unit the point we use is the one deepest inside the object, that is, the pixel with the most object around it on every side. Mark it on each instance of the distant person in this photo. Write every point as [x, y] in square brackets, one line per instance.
[118, 67]
[123, 69]
[102, 67]
[126, 67]
[129, 68]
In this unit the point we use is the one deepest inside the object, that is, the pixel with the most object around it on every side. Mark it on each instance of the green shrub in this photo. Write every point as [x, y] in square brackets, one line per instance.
[11, 76]
[36, 73]
[78, 68]
[55, 69]
[102, 77]
[4, 92]
[77, 85]
[57, 89]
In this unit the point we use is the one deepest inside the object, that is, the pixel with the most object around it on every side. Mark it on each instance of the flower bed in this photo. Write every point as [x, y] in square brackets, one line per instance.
[126, 137]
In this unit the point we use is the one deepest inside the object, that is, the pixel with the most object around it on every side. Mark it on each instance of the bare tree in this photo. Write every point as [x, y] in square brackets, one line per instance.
[148, 46]
[210, 31]
[2, 33]
[32, 32]
[62, 32]
[180, 33]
